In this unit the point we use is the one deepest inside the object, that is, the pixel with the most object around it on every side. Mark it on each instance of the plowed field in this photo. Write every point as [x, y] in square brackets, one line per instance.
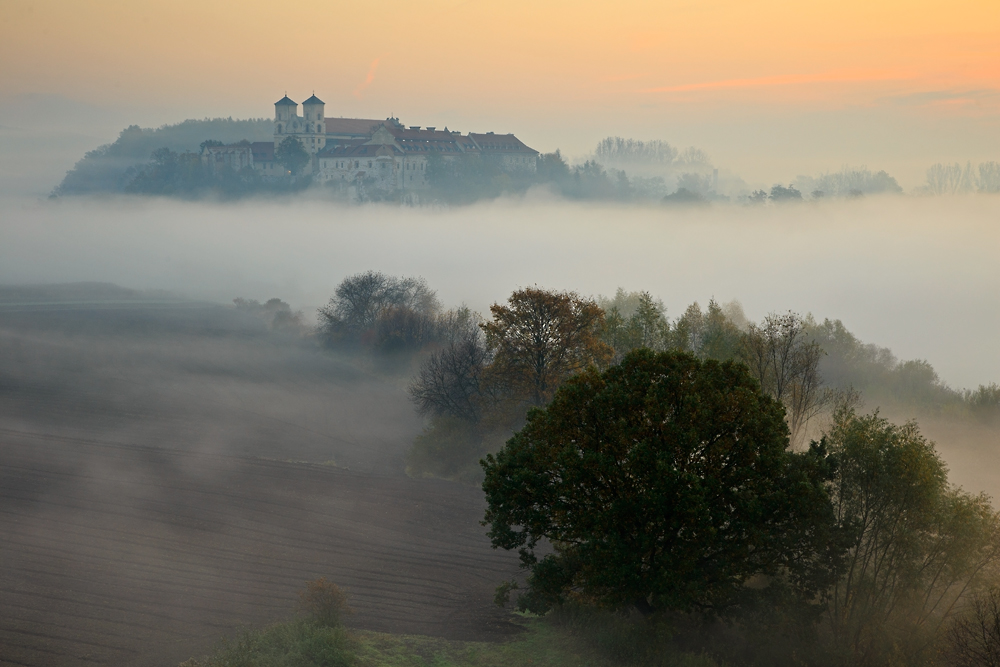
[168, 475]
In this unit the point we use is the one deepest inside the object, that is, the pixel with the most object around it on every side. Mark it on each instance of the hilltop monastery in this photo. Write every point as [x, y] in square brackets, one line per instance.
[380, 153]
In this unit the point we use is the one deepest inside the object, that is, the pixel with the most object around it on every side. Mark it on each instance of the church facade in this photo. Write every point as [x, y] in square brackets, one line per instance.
[383, 154]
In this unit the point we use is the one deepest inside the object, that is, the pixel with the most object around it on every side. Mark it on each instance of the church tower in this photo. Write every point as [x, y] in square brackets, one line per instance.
[313, 111]
[286, 113]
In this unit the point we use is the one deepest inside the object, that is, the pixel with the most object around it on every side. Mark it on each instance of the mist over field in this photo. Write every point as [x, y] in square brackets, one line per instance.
[613, 335]
[917, 275]
[177, 466]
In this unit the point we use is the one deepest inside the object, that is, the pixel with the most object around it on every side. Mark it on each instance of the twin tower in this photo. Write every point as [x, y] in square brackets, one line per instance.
[309, 128]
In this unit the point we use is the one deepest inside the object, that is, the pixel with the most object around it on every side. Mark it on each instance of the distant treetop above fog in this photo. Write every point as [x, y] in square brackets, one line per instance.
[654, 152]
[617, 149]
[849, 182]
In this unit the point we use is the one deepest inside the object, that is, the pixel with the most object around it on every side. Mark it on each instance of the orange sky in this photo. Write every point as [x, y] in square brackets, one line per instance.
[631, 63]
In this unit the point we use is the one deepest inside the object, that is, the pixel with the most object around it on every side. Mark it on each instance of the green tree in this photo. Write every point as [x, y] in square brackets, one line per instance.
[720, 337]
[551, 167]
[664, 482]
[170, 173]
[292, 155]
[921, 547]
[688, 330]
[781, 193]
[634, 320]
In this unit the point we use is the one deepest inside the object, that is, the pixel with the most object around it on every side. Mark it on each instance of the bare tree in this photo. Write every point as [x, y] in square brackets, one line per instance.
[975, 638]
[951, 179]
[453, 382]
[787, 366]
[989, 177]
[616, 150]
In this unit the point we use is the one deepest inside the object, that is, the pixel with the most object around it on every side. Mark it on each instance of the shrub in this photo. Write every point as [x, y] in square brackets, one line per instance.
[324, 603]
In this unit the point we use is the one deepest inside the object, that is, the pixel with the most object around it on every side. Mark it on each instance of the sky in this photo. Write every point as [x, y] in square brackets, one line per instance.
[771, 89]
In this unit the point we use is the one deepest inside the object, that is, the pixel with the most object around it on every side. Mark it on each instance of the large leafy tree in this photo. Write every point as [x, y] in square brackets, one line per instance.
[663, 482]
[539, 338]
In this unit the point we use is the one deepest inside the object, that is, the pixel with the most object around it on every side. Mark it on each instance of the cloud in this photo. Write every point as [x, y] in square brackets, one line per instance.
[786, 80]
[368, 79]
[938, 97]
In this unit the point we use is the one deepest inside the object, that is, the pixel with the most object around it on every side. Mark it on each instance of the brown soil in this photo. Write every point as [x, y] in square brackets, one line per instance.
[149, 505]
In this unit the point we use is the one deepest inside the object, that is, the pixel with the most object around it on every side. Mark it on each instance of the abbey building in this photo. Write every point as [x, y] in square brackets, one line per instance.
[383, 154]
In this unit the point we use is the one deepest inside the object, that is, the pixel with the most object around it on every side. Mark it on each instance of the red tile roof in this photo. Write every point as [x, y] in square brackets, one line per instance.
[356, 126]
[501, 143]
[356, 149]
[419, 142]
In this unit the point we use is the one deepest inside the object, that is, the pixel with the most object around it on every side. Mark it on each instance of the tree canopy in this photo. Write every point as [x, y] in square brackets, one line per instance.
[539, 338]
[663, 482]
[291, 154]
[919, 547]
[381, 307]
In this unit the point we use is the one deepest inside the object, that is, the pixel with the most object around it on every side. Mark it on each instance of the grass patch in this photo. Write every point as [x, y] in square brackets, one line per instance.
[546, 642]
[294, 644]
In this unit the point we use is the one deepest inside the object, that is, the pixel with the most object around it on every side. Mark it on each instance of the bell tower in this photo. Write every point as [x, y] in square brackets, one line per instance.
[314, 114]
[286, 112]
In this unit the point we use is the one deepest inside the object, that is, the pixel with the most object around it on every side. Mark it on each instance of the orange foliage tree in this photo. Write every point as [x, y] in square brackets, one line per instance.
[540, 338]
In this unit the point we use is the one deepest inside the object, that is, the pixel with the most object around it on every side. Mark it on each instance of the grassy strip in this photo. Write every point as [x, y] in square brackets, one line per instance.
[542, 644]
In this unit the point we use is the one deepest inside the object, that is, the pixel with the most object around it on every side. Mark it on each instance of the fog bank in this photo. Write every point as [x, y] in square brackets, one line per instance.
[916, 275]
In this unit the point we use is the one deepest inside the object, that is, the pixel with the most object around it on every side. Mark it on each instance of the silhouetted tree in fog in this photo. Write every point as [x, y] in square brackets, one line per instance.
[920, 548]
[781, 193]
[292, 155]
[974, 638]
[372, 300]
[453, 381]
[786, 364]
